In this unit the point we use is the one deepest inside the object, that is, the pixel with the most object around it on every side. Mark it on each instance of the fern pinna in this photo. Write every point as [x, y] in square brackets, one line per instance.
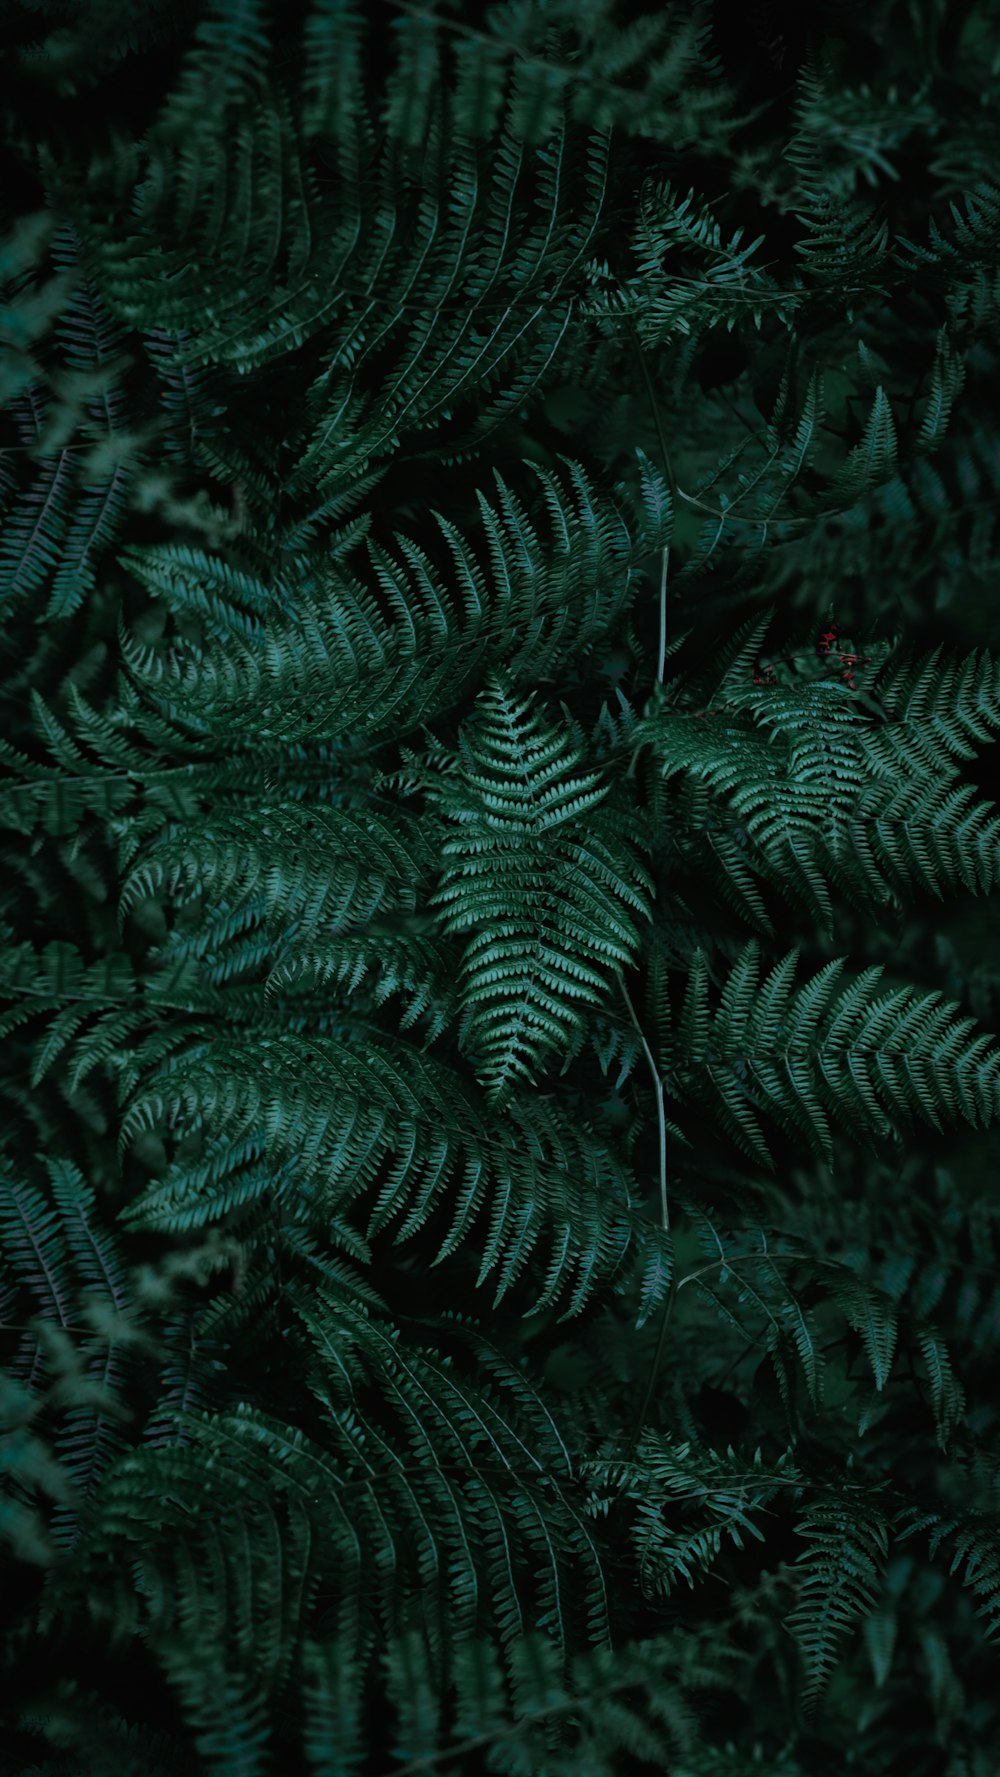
[498, 1251]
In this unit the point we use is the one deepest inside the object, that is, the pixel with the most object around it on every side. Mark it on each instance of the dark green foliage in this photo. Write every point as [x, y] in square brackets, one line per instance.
[499, 1250]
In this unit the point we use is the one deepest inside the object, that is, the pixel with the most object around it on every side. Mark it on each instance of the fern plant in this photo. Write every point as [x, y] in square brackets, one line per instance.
[497, 1242]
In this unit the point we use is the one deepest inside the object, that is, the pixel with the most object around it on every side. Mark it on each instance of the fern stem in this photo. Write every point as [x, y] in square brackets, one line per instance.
[661, 1118]
[662, 658]
[668, 1306]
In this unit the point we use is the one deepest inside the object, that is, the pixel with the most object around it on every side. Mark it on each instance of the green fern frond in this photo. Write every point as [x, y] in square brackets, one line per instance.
[689, 280]
[800, 788]
[934, 709]
[408, 963]
[546, 879]
[882, 1061]
[298, 867]
[68, 1280]
[689, 1502]
[442, 1498]
[629, 1703]
[872, 1316]
[336, 1117]
[838, 1580]
[334, 667]
[872, 460]
[973, 1541]
[333, 37]
[31, 1469]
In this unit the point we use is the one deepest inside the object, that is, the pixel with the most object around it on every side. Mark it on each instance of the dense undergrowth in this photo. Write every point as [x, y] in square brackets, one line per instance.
[498, 1212]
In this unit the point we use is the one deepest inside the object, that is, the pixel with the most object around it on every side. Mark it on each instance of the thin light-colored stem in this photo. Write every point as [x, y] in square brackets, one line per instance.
[668, 1306]
[661, 1117]
[662, 659]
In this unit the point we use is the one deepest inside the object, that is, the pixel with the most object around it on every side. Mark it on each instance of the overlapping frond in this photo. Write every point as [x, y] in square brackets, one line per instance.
[330, 1121]
[806, 790]
[826, 1051]
[456, 1501]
